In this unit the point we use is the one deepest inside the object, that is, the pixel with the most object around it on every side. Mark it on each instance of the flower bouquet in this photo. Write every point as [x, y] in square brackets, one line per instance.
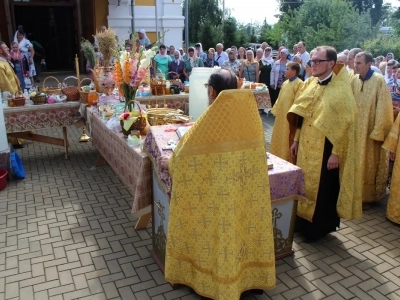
[131, 69]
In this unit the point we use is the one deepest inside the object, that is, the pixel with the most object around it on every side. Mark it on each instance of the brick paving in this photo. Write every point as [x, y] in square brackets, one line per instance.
[66, 232]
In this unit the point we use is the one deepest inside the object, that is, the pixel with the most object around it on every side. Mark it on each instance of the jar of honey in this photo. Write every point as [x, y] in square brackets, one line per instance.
[93, 96]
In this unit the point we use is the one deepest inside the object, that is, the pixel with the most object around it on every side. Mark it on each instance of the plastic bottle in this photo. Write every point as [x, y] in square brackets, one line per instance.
[198, 95]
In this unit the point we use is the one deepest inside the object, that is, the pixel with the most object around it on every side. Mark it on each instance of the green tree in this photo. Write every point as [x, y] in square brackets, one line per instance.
[209, 35]
[264, 30]
[287, 5]
[230, 36]
[373, 6]
[201, 12]
[242, 37]
[332, 22]
[394, 21]
[383, 44]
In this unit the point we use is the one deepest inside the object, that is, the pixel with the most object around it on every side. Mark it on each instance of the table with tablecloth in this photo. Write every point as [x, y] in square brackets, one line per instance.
[181, 101]
[286, 186]
[131, 164]
[20, 121]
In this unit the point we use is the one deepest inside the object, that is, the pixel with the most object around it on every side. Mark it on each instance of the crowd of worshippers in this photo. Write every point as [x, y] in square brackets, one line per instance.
[262, 65]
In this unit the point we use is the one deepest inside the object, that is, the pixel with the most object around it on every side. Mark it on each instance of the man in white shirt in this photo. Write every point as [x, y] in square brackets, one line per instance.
[305, 56]
[220, 55]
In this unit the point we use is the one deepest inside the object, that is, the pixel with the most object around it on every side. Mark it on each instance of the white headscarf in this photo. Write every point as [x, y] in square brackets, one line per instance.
[160, 56]
[24, 45]
[201, 49]
[180, 56]
[267, 60]
[192, 59]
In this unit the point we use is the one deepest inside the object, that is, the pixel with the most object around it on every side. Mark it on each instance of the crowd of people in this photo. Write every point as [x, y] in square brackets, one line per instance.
[26, 59]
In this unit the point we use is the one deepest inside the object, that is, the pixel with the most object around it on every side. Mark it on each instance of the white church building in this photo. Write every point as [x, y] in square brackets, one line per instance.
[154, 16]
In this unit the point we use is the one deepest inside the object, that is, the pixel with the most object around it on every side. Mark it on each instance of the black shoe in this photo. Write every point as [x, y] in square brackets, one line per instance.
[18, 146]
[257, 291]
[37, 80]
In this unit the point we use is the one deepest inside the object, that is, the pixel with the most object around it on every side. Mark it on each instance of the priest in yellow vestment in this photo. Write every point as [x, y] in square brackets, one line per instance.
[392, 144]
[375, 118]
[324, 120]
[8, 79]
[220, 238]
[280, 144]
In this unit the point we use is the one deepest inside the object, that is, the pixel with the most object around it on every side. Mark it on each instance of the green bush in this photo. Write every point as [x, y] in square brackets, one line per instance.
[382, 45]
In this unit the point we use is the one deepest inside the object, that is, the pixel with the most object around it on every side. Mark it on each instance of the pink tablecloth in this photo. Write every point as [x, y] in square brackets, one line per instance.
[181, 101]
[131, 165]
[25, 118]
[285, 179]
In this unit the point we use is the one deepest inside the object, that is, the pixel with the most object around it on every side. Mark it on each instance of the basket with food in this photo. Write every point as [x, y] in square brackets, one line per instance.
[51, 90]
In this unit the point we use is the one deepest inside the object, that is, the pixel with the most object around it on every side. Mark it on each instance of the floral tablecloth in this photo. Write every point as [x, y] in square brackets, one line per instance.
[25, 118]
[181, 101]
[132, 165]
[285, 179]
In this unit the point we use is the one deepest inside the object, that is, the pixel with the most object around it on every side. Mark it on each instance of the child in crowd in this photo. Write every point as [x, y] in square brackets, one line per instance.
[280, 144]
[392, 144]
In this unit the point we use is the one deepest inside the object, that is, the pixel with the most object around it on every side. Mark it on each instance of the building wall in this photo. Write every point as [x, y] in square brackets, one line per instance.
[101, 13]
[169, 17]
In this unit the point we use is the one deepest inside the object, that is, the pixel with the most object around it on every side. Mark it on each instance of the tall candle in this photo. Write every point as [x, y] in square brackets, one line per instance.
[77, 69]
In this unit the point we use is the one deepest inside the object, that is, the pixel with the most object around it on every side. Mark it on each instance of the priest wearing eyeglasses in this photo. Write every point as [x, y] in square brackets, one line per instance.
[323, 125]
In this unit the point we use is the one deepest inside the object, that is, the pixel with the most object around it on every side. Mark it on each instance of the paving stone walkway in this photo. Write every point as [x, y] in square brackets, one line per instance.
[66, 232]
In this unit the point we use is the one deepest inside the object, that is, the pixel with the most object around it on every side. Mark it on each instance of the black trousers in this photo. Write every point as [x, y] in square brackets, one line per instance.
[273, 94]
[325, 219]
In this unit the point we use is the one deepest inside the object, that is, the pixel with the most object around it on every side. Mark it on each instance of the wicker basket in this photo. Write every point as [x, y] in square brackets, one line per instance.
[84, 96]
[39, 99]
[72, 92]
[163, 116]
[51, 90]
[140, 123]
[19, 101]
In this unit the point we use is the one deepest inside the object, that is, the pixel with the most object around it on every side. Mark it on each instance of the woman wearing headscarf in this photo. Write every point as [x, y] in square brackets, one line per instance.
[21, 66]
[249, 68]
[200, 53]
[162, 61]
[143, 39]
[265, 65]
[177, 66]
[278, 74]
[192, 62]
[259, 54]
[26, 47]
[279, 52]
